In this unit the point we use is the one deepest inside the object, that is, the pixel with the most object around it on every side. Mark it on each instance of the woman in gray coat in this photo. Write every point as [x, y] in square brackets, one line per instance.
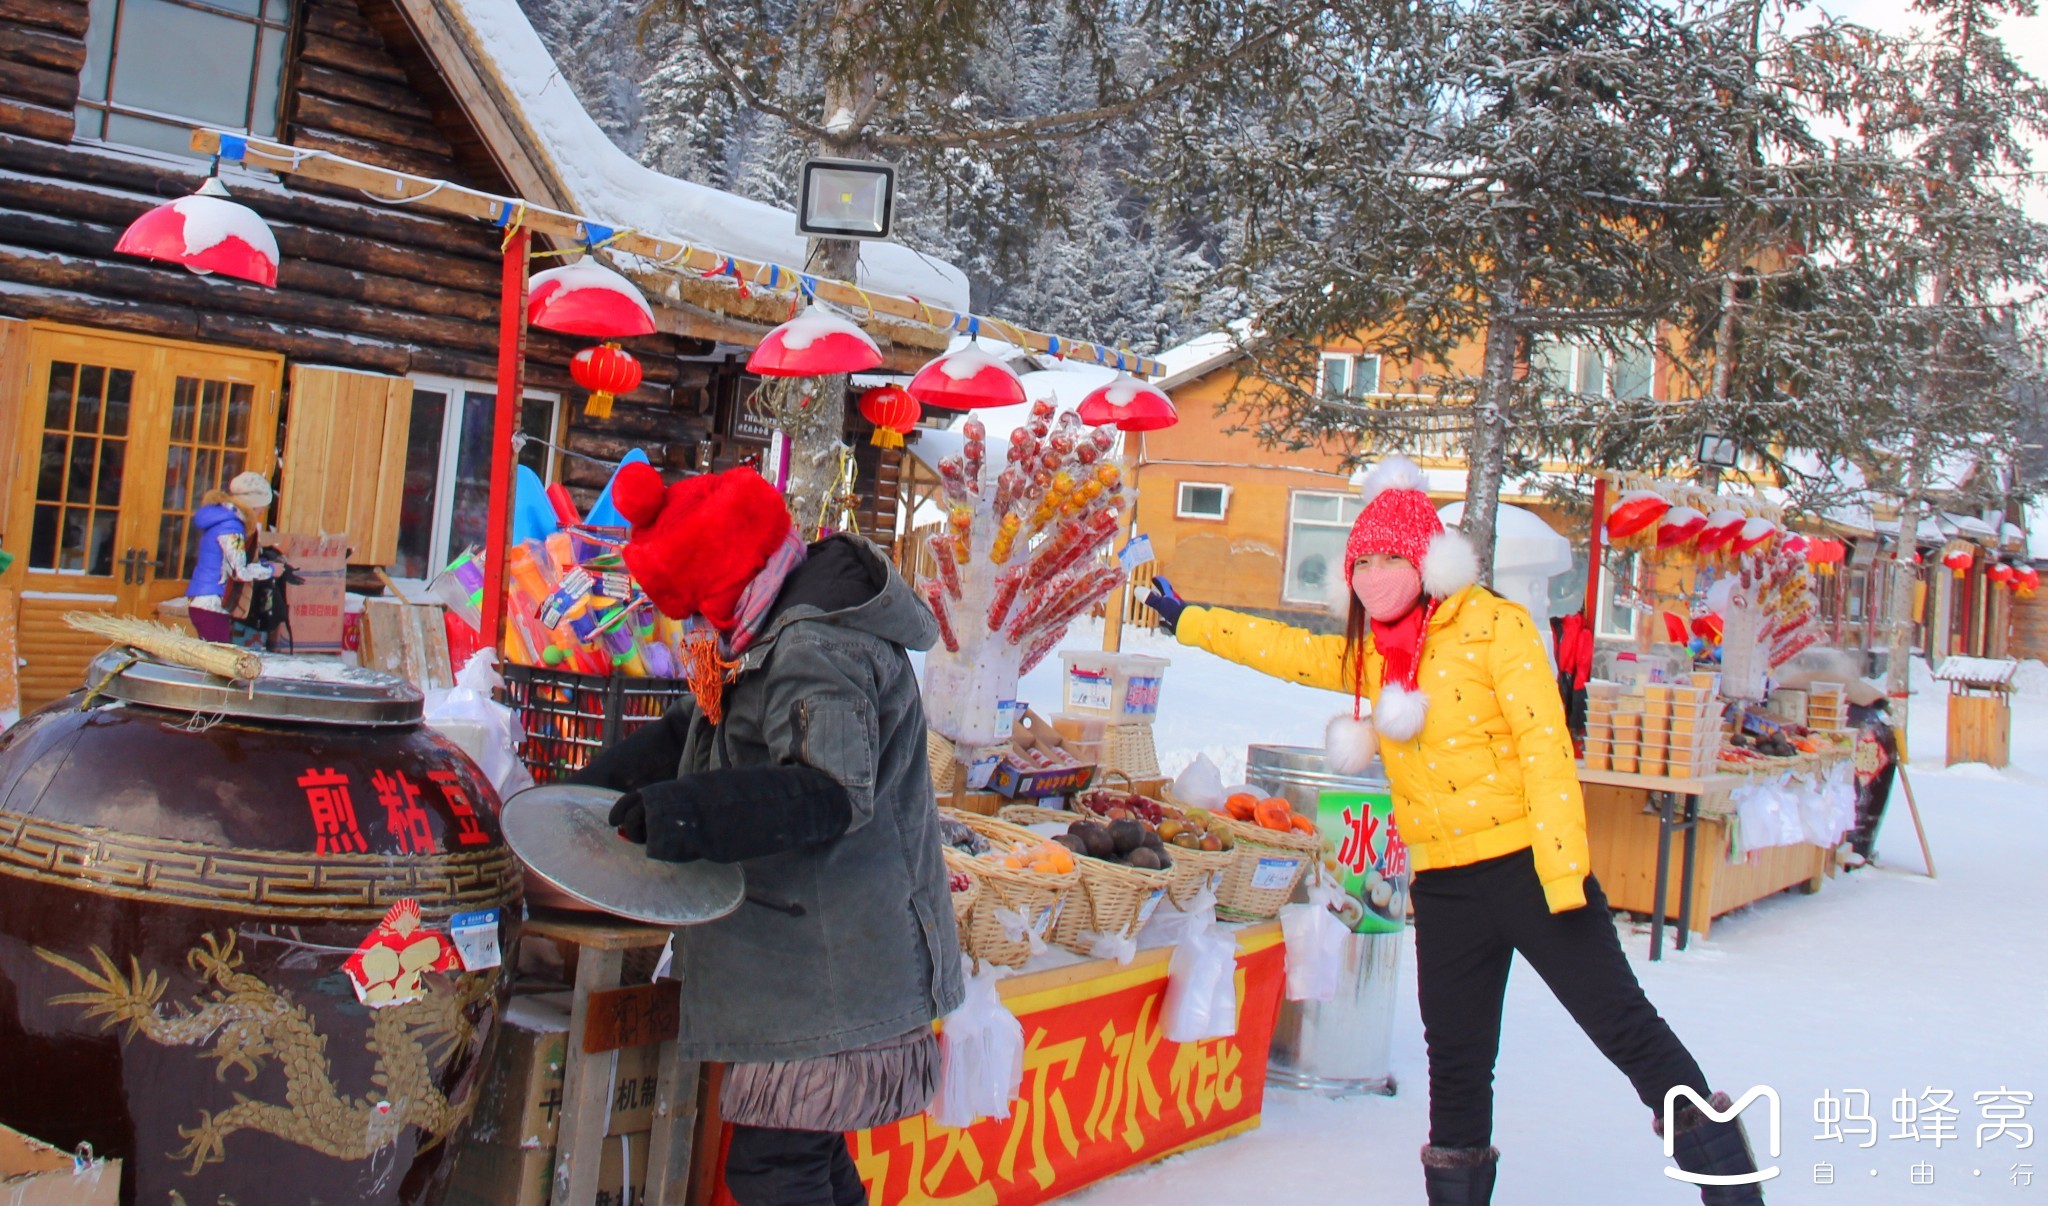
[807, 767]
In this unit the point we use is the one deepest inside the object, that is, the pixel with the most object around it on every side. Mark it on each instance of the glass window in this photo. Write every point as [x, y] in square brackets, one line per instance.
[1345, 375]
[138, 86]
[1584, 368]
[448, 468]
[1320, 524]
[1202, 500]
[1617, 614]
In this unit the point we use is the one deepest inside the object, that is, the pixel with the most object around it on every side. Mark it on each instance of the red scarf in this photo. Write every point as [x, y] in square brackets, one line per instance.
[1399, 644]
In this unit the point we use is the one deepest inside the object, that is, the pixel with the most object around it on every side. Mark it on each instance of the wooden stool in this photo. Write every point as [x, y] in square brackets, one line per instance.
[603, 1018]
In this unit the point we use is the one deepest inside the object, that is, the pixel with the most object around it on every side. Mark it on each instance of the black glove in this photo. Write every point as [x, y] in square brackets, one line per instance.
[736, 814]
[650, 755]
[1167, 603]
[629, 817]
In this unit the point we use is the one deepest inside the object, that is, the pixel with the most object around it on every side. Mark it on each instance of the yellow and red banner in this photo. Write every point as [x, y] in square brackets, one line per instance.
[1103, 1091]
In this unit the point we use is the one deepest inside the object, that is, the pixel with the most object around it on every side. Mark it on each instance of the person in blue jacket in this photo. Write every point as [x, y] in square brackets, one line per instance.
[225, 524]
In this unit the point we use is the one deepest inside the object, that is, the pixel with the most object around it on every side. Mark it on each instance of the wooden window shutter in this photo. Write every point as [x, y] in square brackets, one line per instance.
[344, 459]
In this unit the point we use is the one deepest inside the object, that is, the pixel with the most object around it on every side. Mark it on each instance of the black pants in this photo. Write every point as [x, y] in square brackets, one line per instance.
[1469, 922]
[770, 1167]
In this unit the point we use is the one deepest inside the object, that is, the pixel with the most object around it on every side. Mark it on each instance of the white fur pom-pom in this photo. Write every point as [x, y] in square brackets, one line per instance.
[1450, 565]
[1400, 712]
[1350, 745]
[1394, 473]
[1337, 597]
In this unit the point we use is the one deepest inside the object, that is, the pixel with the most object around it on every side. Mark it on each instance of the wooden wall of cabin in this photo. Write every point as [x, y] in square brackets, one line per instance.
[361, 285]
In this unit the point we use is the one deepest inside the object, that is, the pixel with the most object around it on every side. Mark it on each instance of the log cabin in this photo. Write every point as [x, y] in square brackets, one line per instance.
[363, 384]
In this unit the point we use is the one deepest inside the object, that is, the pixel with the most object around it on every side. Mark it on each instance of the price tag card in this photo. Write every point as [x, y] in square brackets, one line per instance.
[476, 939]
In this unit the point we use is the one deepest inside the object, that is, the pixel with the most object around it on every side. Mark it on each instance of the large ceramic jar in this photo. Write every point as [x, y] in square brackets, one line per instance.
[225, 933]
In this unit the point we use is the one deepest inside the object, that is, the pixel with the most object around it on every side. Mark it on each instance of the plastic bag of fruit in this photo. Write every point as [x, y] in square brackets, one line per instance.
[1315, 944]
[981, 1048]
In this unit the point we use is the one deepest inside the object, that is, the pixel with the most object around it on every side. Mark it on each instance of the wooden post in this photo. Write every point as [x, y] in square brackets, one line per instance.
[504, 421]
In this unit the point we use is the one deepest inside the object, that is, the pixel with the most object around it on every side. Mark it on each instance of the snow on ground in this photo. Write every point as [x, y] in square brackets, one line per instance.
[1886, 981]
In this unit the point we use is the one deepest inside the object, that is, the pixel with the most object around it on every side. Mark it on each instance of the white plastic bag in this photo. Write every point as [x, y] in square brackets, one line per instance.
[469, 714]
[1019, 928]
[981, 1046]
[1201, 784]
[1315, 944]
[1201, 985]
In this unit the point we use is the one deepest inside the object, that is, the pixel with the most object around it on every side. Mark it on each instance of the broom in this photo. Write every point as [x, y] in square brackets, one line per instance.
[168, 644]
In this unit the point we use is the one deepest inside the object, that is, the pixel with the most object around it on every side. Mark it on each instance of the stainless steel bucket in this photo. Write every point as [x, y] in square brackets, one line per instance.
[1341, 1047]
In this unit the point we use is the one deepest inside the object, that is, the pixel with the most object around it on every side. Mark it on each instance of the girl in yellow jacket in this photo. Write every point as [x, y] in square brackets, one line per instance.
[1465, 715]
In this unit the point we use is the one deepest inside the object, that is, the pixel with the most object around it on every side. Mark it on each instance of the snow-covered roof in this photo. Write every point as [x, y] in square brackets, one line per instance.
[1196, 358]
[609, 186]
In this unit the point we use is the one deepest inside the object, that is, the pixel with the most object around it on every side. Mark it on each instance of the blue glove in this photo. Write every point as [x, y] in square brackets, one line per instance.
[1166, 603]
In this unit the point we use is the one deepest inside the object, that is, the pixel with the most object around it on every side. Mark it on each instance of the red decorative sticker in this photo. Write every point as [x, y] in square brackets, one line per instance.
[386, 968]
[403, 815]
[334, 814]
[468, 832]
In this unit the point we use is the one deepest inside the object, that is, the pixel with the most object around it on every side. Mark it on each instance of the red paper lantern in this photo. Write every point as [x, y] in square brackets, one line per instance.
[2028, 581]
[815, 343]
[2001, 573]
[586, 298]
[969, 379]
[1958, 562]
[206, 233]
[1635, 512]
[1129, 404]
[605, 370]
[893, 412]
[1679, 525]
[1721, 528]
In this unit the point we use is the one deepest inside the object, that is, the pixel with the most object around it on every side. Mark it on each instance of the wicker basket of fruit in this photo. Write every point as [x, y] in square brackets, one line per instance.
[966, 885]
[1124, 868]
[1024, 885]
[1275, 847]
[1200, 853]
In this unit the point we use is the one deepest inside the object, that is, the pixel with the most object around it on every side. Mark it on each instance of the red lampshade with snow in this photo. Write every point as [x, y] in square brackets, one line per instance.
[1129, 404]
[1721, 529]
[1679, 525]
[207, 233]
[1752, 534]
[969, 379]
[816, 343]
[586, 298]
[1635, 512]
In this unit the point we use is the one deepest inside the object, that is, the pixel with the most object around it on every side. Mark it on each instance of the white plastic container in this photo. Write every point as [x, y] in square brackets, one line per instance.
[1123, 687]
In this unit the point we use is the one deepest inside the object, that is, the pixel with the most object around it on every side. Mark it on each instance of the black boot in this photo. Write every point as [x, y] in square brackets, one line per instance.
[1459, 1176]
[1718, 1149]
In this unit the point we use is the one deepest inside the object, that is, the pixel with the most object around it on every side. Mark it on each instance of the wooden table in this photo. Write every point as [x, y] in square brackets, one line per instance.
[601, 944]
[1672, 818]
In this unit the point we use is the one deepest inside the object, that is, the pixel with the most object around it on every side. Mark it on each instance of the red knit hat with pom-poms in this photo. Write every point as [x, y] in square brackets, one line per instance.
[1398, 519]
[698, 543]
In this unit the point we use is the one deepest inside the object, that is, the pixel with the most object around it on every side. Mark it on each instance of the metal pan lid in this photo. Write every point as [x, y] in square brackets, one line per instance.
[562, 832]
[291, 690]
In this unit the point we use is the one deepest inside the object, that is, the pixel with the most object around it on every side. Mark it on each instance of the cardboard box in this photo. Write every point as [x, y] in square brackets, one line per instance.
[522, 1093]
[622, 1176]
[32, 1173]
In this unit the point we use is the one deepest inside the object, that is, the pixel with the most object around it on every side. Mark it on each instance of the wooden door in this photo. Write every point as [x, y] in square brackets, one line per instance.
[104, 420]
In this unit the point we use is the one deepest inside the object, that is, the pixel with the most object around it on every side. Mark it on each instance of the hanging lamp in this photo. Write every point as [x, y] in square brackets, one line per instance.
[586, 298]
[207, 233]
[815, 343]
[969, 379]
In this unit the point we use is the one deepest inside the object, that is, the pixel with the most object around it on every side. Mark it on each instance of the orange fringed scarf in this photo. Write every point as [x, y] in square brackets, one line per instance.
[707, 674]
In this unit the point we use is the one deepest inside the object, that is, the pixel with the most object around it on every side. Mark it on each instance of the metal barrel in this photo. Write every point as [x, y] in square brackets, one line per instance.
[1344, 1046]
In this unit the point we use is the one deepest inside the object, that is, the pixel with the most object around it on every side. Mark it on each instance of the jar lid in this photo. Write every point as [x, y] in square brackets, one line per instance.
[291, 690]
